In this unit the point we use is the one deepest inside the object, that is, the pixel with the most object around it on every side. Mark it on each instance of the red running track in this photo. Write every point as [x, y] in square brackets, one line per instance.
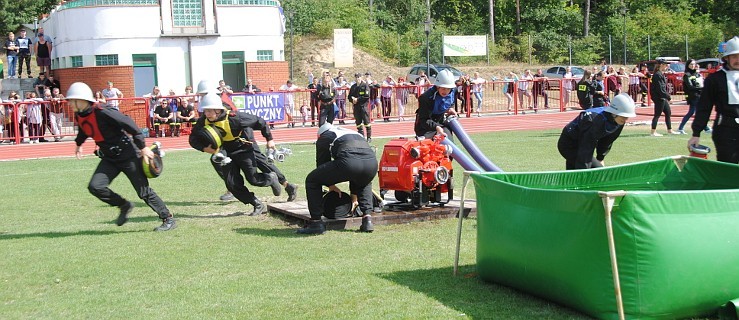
[494, 123]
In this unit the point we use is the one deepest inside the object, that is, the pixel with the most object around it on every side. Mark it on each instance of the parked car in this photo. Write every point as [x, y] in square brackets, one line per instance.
[558, 72]
[703, 63]
[434, 69]
[674, 74]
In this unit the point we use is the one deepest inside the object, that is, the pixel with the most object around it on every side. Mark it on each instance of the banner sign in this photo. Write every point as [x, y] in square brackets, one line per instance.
[465, 46]
[343, 48]
[269, 105]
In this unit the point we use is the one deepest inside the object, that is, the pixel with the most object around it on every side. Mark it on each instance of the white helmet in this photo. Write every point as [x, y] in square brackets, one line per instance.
[81, 91]
[732, 47]
[622, 105]
[445, 79]
[206, 86]
[212, 101]
[325, 127]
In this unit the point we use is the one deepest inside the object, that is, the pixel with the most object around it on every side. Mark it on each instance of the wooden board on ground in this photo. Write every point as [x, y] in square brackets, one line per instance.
[298, 212]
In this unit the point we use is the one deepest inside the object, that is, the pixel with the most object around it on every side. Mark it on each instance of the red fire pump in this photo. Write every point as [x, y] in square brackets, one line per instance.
[417, 170]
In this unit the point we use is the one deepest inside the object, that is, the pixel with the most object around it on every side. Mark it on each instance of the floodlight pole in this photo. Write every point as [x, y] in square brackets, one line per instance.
[427, 30]
[292, 48]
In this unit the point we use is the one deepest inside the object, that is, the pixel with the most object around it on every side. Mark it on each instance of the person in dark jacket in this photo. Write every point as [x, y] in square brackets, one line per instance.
[341, 155]
[434, 106]
[692, 86]
[661, 97]
[118, 153]
[599, 92]
[216, 130]
[359, 95]
[585, 91]
[326, 95]
[721, 89]
[594, 130]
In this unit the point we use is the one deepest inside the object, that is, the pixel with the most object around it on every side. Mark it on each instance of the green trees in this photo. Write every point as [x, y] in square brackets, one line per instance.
[653, 28]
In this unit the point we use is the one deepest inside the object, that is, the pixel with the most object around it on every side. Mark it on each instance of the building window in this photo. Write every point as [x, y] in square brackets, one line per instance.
[249, 2]
[106, 60]
[187, 13]
[264, 55]
[76, 61]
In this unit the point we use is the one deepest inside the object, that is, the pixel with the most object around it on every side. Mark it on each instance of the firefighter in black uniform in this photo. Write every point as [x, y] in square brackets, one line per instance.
[721, 89]
[359, 95]
[118, 152]
[163, 115]
[229, 130]
[326, 92]
[265, 165]
[353, 161]
[434, 106]
[585, 91]
[594, 130]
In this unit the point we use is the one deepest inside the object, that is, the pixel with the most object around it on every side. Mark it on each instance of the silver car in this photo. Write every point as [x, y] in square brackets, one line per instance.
[434, 69]
[558, 72]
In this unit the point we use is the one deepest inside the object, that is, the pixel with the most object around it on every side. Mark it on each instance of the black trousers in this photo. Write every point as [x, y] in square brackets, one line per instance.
[26, 58]
[326, 113]
[660, 107]
[362, 119]
[246, 162]
[108, 170]
[265, 166]
[568, 149]
[359, 173]
[726, 140]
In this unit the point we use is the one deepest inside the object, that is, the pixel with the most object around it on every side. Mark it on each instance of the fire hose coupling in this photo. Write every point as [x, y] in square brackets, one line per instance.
[699, 149]
[441, 175]
[220, 158]
[278, 154]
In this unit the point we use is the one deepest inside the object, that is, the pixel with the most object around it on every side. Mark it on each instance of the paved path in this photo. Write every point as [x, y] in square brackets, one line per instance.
[490, 123]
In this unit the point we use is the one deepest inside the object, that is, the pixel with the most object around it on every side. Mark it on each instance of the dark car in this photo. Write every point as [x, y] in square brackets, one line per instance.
[674, 74]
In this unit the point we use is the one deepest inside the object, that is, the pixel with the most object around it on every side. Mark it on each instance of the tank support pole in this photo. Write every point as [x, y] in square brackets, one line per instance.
[608, 200]
[465, 180]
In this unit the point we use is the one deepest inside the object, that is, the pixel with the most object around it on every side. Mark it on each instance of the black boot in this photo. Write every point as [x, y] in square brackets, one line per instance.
[313, 227]
[126, 208]
[367, 225]
[275, 184]
[292, 192]
[259, 208]
[167, 224]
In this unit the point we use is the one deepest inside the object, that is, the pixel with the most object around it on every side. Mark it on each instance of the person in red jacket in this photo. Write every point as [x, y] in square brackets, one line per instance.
[120, 146]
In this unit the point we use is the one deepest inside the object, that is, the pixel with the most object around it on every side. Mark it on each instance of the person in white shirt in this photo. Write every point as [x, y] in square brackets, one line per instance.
[386, 97]
[567, 86]
[112, 95]
[523, 88]
[477, 88]
[289, 101]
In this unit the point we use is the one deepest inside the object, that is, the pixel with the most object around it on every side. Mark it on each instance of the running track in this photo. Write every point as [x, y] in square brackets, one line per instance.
[489, 123]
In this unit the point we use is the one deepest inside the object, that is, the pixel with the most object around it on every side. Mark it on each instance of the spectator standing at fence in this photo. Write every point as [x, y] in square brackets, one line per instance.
[401, 97]
[661, 98]
[422, 83]
[359, 95]
[523, 89]
[42, 48]
[34, 116]
[24, 53]
[46, 114]
[11, 118]
[41, 84]
[289, 101]
[721, 89]
[567, 82]
[634, 83]
[462, 97]
[586, 91]
[313, 100]
[121, 147]
[11, 51]
[693, 86]
[250, 87]
[599, 95]
[56, 114]
[386, 97]
[540, 89]
[342, 88]
[374, 94]
[111, 95]
[509, 84]
[477, 89]
[100, 97]
[326, 94]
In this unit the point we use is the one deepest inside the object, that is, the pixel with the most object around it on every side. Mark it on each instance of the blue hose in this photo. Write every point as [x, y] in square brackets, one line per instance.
[470, 146]
[461, 157]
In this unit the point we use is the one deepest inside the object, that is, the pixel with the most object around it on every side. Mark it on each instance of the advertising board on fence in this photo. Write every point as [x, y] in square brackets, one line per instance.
[268, 105]
[465, 46]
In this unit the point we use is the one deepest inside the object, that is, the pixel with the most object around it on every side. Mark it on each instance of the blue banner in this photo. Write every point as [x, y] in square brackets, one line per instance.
[268, 105]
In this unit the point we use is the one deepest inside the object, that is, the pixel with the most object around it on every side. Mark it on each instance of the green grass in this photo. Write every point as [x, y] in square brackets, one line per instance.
[61, 255]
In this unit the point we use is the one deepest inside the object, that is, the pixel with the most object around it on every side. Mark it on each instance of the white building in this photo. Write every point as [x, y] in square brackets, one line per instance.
[169, 43]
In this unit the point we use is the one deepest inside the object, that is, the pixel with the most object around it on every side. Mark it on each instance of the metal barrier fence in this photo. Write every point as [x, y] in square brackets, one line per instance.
[34, 121]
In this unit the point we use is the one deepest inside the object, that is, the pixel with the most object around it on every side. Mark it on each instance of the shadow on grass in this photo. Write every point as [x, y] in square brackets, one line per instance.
[477, 299]
[10, 236]
[277, 232]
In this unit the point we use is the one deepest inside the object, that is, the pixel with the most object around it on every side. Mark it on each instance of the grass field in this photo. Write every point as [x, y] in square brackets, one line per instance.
[62, 257]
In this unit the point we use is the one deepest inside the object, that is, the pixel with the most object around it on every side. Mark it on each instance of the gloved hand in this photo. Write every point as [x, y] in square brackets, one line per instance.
[220, 159]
